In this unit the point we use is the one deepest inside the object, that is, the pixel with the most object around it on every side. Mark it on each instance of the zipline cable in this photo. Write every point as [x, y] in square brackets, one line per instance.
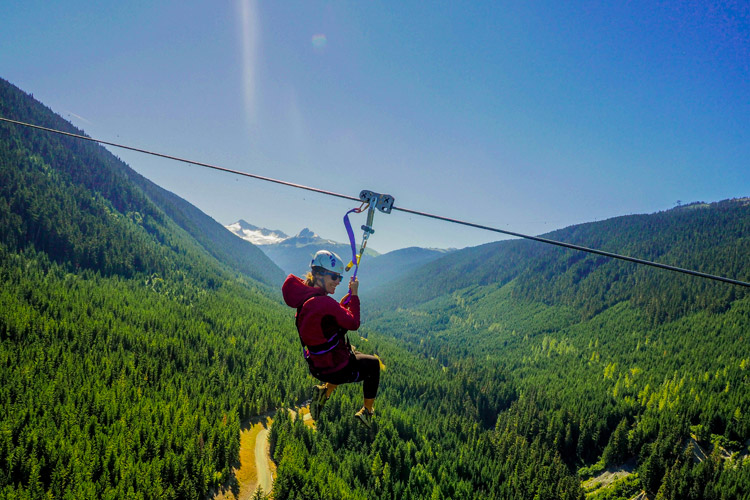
[183, 160]
[581, 248]
[405, 210]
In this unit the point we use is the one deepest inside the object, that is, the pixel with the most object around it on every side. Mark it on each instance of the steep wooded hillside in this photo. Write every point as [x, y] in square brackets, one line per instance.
[131, 349]
[135, 332]
[613, 361]
[63, 195]
[712, 238]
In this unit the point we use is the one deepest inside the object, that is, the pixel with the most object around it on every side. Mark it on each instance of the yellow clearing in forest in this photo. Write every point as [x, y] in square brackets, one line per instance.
[256, 467]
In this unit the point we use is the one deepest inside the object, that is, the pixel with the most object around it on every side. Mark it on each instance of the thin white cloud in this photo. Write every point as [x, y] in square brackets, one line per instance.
[78, 117]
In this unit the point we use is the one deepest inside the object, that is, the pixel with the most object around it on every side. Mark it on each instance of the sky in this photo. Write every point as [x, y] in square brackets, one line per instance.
[525, 116]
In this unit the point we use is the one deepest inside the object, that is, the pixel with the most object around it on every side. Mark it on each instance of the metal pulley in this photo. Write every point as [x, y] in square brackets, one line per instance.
[373, 201]
[383, 202]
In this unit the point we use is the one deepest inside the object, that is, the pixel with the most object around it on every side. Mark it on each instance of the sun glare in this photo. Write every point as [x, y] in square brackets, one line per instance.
[250, 37]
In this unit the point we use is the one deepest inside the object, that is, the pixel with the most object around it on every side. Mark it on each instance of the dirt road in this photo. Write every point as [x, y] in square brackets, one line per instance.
[255, 467]
[262, 461]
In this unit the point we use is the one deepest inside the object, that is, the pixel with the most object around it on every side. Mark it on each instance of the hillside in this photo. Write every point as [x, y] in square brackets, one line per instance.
[131, 350]
[135, 340]
[212, 236]
[384, 269]
[616, 361]
[712, 238]
[133, 328]
[46, 176]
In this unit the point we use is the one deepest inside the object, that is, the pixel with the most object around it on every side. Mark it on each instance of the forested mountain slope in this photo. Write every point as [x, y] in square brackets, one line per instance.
[212, 236]
[39, 168]
[712, 238]
[131, 350]
[612, 360]
[133, 343]
[386, 268]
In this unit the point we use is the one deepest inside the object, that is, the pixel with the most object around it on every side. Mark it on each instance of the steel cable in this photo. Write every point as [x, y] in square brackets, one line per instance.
[405, 210]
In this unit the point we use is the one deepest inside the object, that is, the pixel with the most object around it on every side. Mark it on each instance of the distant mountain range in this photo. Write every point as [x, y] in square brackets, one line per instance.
[293, 254]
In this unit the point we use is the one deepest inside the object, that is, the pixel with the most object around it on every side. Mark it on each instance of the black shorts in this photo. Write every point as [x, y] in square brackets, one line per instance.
[361, 368]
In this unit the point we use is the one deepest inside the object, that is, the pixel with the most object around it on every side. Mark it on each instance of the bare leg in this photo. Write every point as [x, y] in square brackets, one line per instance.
[330, 388]
[369, 404]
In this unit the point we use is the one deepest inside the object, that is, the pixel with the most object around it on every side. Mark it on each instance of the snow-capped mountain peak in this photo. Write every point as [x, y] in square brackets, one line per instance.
[307, 234]
[256, 235]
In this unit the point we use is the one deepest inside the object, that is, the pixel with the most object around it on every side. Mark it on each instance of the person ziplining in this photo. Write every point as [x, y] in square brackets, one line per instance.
[322, 322]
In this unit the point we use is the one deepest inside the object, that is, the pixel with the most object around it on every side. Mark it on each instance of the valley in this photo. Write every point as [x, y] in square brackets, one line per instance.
[139, 338]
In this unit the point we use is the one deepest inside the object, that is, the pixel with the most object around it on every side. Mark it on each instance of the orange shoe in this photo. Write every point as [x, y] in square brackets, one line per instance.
[364, 416]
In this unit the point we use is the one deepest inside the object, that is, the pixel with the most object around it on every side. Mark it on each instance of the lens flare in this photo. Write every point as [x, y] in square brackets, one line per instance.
[319, 41]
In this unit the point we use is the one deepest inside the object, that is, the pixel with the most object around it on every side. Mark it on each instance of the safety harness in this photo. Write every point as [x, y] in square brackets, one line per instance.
[318, 349]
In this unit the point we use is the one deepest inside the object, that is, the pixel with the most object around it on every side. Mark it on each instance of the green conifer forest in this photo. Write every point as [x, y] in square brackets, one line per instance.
[137, 335]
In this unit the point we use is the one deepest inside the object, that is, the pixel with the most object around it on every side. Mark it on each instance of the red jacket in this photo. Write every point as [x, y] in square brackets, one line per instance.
[322, 323]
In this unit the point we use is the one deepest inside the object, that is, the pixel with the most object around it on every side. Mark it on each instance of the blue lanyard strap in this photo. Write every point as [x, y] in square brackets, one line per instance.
[353, 243]
[384, 203]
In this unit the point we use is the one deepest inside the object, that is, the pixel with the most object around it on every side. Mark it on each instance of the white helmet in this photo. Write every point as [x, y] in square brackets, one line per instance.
[328, 261]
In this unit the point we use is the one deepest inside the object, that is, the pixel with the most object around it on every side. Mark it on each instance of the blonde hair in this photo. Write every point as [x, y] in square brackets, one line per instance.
[310, 276]
[309, 279]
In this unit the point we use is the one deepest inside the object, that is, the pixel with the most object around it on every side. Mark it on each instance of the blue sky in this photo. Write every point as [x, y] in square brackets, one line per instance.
[527, 116]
